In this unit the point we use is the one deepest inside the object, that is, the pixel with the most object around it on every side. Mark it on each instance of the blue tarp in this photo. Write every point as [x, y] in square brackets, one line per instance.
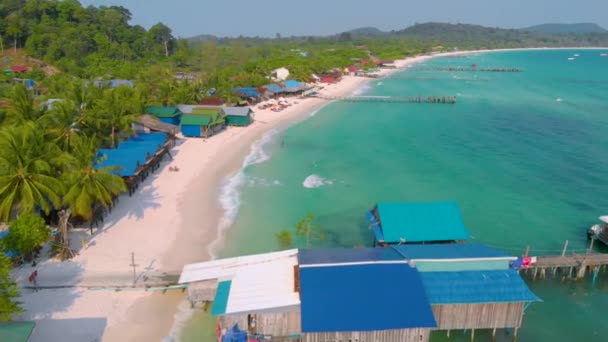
[114, 83]
[363, 298]
[421, 222]
[235, 335]
[449, 251]
[344, 255]
[246, 92]
[156, 137]
[468, 287]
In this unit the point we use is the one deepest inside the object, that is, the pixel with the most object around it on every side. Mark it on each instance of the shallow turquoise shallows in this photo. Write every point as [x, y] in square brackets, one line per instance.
[525, 155]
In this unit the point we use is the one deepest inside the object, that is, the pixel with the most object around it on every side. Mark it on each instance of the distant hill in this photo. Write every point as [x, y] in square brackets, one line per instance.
[203, 38]
[581, 28]
[367, 32]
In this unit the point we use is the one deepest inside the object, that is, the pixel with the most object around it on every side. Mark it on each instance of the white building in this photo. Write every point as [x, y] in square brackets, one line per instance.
[279, 75]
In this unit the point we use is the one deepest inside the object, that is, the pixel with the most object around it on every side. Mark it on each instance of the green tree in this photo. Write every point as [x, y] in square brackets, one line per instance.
[284, 239]
[87, 187]
[26, 234]
[27, 178]
[9, 291]
[308, 230]
[116, 111]
[161, 34]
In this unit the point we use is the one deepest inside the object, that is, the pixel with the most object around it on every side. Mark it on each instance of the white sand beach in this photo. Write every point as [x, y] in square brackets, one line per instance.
[171, 220]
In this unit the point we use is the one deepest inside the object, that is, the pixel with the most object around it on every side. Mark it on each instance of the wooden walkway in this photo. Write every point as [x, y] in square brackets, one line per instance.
[573, 265]
[391, 99]
[466, 69]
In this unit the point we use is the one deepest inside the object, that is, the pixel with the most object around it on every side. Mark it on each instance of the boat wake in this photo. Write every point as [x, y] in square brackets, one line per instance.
[316, 181]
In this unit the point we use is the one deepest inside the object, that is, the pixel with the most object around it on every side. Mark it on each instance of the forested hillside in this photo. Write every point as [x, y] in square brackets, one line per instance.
[74, 38]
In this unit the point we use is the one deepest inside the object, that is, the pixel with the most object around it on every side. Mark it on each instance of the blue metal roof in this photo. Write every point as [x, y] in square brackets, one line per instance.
[292, 84]
[363, 298]
[346, 255]
[449, 251]
[421, 222]
[155, 137]
[470, 287]
[274, 88]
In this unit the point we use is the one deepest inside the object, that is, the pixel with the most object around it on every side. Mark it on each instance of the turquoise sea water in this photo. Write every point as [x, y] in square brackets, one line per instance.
[523, 154]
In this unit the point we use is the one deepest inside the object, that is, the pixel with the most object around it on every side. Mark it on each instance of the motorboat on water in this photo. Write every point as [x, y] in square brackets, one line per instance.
[604, 54]
[576, 55]
[571, 58]
[599, 231]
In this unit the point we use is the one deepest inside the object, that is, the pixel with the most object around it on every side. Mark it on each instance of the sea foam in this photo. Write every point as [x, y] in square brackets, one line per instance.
[230, 195]
[316, 181]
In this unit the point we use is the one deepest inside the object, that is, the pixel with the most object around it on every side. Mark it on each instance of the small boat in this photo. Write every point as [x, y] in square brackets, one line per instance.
[599, 231]
[576, 55]
[571, 58]
[604, 54]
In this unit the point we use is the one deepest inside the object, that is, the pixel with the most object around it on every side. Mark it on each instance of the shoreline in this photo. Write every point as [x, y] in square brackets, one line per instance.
[174, 218]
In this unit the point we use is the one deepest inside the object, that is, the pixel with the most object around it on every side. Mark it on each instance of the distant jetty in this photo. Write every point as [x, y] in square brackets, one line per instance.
[391, 99]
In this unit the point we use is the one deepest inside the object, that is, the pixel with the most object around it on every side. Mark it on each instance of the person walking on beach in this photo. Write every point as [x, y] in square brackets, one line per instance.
[34, 279]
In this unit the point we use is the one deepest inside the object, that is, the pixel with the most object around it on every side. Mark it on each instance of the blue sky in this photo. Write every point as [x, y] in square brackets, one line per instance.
[319, 17]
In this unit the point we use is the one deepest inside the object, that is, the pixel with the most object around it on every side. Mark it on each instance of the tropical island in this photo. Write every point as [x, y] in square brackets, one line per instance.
[115, 140]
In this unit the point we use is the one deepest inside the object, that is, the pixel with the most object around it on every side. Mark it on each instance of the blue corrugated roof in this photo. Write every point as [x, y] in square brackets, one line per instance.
[345, 255]
[421, 222]
[363, 298]
[476, 287]
[449, 251]
[156, 137]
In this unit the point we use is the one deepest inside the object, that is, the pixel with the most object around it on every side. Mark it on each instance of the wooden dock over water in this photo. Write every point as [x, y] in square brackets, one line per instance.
[569, 266]
[471, 69]
[391, 99]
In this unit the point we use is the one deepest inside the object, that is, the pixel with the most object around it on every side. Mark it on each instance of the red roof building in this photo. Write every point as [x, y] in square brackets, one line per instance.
[19, 68]
[212, 101]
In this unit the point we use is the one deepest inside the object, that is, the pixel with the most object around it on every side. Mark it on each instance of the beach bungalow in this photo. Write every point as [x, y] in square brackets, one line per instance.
[238, 116]
[470, 286]
[203, 122]
[279, 75]
[353, 299]
[411, 222]
[167, 114]
[400, 293]
[257, 292]
[16, 331]
[249, 94]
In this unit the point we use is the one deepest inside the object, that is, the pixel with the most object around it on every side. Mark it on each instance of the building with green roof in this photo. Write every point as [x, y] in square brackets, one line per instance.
[203, 122]
[166, 114]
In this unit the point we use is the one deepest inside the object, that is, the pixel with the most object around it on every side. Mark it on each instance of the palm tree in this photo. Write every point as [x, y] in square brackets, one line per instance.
[63, 122]
[23, 107]
[116, 111]
[27, 176]
[86, 186]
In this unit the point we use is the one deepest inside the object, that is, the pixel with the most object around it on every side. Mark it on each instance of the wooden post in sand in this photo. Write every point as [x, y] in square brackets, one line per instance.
[134, 265]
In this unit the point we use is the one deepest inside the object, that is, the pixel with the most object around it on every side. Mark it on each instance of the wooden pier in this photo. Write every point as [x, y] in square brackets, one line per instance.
[391, 99]
[466, 69]
[569, 266]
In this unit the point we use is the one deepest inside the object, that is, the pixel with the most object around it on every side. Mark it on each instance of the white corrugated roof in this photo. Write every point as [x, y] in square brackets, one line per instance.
[227, 268]
[258, 282]
[263, 286]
